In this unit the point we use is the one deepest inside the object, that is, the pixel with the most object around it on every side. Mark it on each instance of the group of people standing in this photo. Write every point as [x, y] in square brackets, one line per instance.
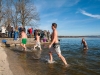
[44, 35]
[5, 30]
[11, 32]
[15, 32]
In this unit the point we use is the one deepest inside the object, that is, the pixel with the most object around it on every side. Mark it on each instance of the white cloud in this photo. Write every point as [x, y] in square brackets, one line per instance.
[89, 14]
[72, 2]
[59, 3]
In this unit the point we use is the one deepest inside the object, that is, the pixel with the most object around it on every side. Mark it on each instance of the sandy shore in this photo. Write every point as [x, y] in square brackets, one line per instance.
[4, 65]
[9, 64]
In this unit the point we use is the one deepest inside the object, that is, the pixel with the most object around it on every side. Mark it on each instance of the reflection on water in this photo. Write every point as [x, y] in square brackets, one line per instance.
[82, 62]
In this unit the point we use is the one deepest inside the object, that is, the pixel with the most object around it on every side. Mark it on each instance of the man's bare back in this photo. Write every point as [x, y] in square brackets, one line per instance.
[23, 35]
[37, 41]
[37, 38]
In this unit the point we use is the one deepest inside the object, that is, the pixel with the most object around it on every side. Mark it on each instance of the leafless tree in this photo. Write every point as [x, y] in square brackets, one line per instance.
[20, 12]
[5, 12]
[27, 13]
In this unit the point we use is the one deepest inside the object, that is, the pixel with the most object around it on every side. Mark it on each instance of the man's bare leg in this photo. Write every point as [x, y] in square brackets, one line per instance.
[40, 48]
[34, 47]
[62, 58]
[51, 57]
[23, 46]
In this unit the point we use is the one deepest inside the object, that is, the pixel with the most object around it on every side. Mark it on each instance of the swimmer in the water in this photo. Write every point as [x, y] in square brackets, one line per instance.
[84, 44]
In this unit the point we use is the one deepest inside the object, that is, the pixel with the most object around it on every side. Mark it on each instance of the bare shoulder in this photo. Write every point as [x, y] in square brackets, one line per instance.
[55, 31]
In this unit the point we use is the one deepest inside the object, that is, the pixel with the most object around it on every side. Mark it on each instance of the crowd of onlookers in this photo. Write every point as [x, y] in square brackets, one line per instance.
[10, 31]
[15, 32]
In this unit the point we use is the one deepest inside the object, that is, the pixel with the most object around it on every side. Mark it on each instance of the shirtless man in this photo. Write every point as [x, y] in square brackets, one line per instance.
[23, 39]
[55, 46]
[37, 41]
[84, 44]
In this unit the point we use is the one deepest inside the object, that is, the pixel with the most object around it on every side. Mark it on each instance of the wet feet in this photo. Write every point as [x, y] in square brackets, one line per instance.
[33, 49]
[66, 65]
[24, 49]
[51, 62]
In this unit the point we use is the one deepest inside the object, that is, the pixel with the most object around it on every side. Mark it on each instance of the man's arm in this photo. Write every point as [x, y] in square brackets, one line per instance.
[85, 43]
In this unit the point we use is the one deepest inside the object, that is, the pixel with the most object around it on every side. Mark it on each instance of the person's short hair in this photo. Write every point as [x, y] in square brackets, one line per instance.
[23, 30]
[55, 25]
[36, 32]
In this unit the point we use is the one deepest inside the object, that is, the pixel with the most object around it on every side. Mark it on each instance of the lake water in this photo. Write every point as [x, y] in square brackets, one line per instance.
[82, 62]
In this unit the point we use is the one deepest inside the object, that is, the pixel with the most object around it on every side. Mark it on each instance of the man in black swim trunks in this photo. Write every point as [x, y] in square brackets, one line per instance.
[55, 46]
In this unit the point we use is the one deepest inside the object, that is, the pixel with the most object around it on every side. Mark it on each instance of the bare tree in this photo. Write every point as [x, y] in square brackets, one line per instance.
[27, 13]
[7, 12]
[15, 12]
[19, 12]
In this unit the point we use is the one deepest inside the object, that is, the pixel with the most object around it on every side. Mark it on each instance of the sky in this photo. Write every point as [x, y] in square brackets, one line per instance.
[73, 17]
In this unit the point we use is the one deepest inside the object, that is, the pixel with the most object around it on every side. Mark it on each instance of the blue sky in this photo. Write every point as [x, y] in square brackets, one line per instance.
[73, 17]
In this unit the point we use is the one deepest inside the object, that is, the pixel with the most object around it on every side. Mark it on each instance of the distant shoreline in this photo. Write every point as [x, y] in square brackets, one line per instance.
[79, 36]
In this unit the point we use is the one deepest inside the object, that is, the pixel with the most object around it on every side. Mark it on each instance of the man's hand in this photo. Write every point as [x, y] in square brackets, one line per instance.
[49, 46]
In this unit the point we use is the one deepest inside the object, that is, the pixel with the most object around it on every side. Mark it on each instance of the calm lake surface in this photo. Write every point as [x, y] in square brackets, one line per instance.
[82, 62]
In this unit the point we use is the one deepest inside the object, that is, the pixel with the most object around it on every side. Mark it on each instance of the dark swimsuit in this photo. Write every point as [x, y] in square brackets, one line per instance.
[56, 45]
